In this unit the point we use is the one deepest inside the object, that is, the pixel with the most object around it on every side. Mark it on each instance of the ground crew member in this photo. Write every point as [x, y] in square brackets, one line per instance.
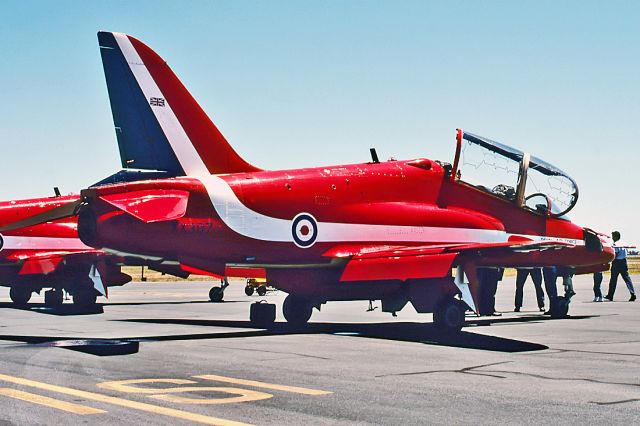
[521, 278]
[619, 267]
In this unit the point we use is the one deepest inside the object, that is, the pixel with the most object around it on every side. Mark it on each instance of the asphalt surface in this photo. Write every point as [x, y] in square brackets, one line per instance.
[184, 360]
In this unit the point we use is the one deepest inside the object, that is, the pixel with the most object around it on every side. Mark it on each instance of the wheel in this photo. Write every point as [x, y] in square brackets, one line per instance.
[296, 310]
[248, 290]
[85, 298]
[262, 314]
[20, 295]
[53, 297]
[449, 315]
[262, 290]
[216, 294]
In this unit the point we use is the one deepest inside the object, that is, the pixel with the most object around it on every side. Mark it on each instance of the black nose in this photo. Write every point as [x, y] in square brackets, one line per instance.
[591, 241]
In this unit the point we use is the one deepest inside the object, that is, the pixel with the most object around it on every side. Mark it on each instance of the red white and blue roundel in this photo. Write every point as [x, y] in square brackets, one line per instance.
[304, 229]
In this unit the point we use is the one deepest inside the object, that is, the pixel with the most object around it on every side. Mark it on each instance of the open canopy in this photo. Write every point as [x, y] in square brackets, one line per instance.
[513, 174]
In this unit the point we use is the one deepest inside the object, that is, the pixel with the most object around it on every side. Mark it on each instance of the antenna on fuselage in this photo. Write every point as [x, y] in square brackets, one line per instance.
[56, 191]
[374, 155]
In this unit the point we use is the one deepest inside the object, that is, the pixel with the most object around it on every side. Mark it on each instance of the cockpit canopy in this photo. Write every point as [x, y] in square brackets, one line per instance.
[515, 175]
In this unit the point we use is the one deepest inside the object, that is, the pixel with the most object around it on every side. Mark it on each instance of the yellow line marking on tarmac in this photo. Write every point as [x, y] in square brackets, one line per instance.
[125, 386]
[150, 408]
[50, 402]
[264, 385]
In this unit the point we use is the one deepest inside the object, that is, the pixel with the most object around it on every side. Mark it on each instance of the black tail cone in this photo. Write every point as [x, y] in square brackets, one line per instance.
[87, 226]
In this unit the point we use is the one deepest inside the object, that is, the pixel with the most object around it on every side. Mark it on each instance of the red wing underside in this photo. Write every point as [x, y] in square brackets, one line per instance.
[44, 263]
[402, 263]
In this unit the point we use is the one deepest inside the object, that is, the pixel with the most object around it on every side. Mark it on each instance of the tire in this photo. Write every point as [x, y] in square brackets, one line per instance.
[20, 295]
[216, 294]
[296, 310]
[53, 298]
[448, 316]
[248, 290]
[262, 314]
[85, 298]
[262, 290]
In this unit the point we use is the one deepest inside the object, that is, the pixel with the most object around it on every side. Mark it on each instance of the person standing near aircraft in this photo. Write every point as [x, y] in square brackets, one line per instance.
[521, 278]
[619, 267]
[597, 282]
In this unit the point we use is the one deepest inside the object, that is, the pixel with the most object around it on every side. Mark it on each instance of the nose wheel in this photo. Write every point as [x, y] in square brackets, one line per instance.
[216, 294]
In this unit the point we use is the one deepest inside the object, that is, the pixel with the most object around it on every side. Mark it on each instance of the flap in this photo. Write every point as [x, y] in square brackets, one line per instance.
[153, 205]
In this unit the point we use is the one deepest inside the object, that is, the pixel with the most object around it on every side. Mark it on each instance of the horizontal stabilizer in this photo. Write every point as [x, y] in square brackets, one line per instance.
[151, 205]
[59, 212]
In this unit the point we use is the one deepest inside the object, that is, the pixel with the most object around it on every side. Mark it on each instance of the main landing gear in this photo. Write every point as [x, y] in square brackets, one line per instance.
[448, 315]
[296, 310]
[20, 295]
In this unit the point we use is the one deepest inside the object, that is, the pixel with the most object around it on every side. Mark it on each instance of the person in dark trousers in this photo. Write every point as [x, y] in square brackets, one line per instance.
[597, 282]
[550, 275]
[619, 267]
[488, 278]
[521, 278]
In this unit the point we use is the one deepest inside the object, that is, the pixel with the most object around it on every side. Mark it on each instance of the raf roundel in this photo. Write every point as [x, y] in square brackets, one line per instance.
[304, 229]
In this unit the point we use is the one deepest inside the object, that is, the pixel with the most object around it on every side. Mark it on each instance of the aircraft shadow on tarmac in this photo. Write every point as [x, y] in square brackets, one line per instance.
[98, 308]
[64, 309]
[424, 333]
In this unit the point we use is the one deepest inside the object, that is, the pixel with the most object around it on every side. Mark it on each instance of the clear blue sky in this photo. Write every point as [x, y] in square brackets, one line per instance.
[296, 83]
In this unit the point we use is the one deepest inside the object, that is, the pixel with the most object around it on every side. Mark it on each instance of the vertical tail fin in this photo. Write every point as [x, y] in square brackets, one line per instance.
[159, 125]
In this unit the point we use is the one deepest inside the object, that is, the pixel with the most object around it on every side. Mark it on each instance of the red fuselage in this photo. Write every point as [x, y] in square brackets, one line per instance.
[250, 218]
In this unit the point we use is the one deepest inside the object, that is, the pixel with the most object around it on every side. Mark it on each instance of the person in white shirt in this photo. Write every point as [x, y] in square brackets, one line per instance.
[619, 267]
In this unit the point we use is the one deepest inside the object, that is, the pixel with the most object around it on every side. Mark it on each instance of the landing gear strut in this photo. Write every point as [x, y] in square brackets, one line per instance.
[296, 310]
[216, 294]
[448, 316]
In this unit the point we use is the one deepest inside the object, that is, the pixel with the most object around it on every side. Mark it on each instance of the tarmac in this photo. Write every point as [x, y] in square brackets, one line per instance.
[161, 353]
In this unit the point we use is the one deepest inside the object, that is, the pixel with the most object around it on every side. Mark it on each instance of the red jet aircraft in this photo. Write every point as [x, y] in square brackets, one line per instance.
[390, 231]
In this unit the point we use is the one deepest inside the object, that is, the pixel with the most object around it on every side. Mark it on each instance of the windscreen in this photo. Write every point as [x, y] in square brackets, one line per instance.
[498, 168]
[489, 165]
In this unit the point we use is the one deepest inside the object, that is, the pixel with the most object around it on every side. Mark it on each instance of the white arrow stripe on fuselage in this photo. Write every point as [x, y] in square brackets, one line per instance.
[252, 224]
[42, 243]
[184, 150]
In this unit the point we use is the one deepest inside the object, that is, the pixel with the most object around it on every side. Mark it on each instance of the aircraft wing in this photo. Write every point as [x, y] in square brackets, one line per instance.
[47, 262]
[410, 262]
